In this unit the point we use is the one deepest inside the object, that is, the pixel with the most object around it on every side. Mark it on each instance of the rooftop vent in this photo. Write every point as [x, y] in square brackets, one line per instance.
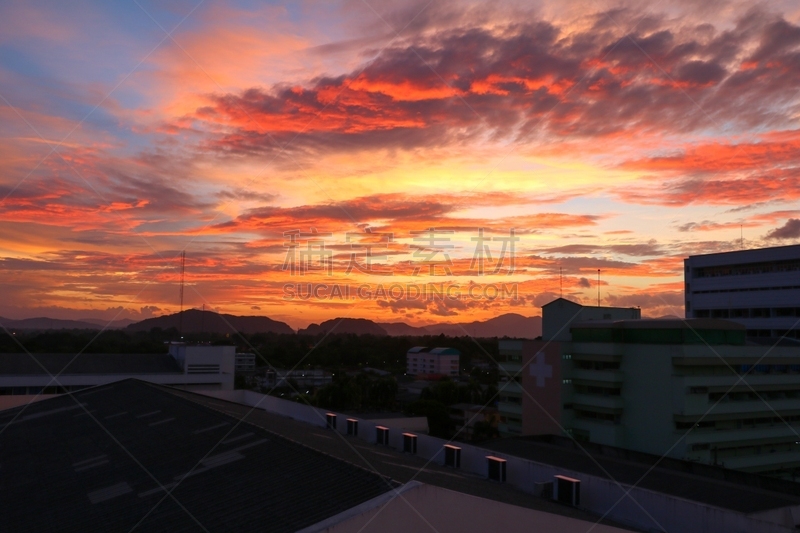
[567, 490]
[409, 443]
[452, 456]
[497, 468]
[382, 435]
[202, 369]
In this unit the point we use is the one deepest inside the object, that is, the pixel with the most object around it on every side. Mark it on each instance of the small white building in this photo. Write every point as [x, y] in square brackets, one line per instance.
[186, 366]
[425, 360]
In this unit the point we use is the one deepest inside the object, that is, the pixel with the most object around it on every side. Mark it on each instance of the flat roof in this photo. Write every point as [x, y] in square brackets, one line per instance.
[557, 300]
[387, 461]
[24, 364]
[772, 253]
[440, 350]
[715, 486]
[662, 323]
[100, 459]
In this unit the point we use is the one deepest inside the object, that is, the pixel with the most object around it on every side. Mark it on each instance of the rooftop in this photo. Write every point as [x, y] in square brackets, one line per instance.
[387, 461]
[787, 250]
[562, 301]
[663, 323]
[86, 363]
[100, 460]
[661, 331]
[435, 351]
[716, 486]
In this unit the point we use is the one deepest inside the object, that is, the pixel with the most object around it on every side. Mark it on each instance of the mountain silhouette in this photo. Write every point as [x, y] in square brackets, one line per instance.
[196, 321]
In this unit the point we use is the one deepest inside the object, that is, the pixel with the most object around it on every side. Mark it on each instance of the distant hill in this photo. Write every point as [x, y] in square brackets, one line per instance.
[196, 321]
[508, 325]
[115, 324]
[358, 326]
[44, 323]
[397, 329]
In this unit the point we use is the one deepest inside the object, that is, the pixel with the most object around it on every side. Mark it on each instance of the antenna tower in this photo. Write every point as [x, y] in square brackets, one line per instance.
[180, 315]
[598, 287]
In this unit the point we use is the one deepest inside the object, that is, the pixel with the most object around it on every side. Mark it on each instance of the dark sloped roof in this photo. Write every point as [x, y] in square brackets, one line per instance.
[63, 469]
[86, 363]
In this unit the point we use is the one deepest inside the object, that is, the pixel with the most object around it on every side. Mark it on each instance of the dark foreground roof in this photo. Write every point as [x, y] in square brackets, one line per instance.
[392, 463]
[86, 363]
[715, 486]
[65, 469]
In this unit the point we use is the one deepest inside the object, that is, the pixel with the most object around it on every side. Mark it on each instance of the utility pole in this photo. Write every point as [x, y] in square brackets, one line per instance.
[598, 287]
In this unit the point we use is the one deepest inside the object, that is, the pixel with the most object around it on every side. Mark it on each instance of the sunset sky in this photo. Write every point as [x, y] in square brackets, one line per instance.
[620, 136]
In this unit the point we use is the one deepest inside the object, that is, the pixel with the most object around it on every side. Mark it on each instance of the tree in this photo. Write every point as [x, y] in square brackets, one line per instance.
[439, 422]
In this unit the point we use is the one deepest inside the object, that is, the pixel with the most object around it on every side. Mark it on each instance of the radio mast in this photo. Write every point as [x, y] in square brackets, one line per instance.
[180, 315]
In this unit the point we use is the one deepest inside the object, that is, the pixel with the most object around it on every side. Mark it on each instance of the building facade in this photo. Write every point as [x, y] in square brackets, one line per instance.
[557, 316]
[757, 288]
[425, 360]
[691, 389]
[245, 363]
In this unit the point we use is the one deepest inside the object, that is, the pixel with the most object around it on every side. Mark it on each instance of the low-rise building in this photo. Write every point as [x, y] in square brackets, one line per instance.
[466, 415]
[186, 366]
[425, 360]
[304, 378]
[245, 363]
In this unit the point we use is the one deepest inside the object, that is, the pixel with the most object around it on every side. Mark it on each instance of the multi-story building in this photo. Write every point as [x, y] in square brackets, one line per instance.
[556, 319]
[757, 288]
[425, 360]
[691, 389]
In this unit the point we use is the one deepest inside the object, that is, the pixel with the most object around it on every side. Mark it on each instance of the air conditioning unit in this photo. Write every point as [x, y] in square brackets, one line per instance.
[567, 490]
[543, 489]
[452, 456]
[352, 427]
[331, 419]
[497, 468]
[382, 435]
[409, 443]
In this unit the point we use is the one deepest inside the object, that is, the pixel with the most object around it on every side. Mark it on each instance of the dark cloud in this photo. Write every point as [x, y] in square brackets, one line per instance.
[646, 300]
[240, 194]
[790, 230]
[650, 248]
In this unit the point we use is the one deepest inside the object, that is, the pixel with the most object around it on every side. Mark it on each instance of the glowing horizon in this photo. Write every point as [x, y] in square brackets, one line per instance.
[621, 138]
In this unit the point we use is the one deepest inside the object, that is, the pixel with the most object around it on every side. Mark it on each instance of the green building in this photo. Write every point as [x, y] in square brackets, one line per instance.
[691, 389]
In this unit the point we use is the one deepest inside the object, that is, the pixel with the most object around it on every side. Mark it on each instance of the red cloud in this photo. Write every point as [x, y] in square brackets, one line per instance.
[514, 81]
